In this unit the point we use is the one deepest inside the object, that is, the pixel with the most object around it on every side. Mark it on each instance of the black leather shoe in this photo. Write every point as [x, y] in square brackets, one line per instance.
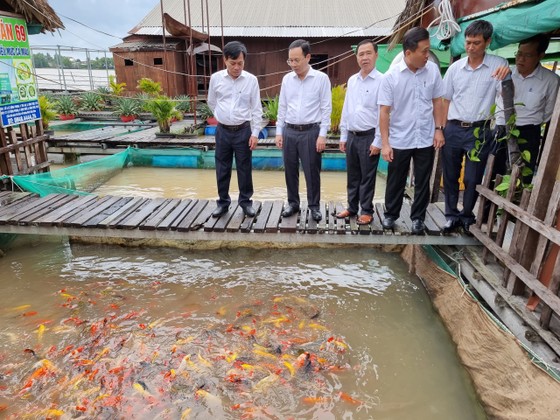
[316, 215]
[220, 210]
[290, 211]
[451, 226]
[418, 227]
[388, 223]
[249, 211]
[467, 227]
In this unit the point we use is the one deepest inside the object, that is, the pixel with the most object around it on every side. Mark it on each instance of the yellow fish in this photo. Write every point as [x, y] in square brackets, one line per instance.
[40, 332]
[290, 368]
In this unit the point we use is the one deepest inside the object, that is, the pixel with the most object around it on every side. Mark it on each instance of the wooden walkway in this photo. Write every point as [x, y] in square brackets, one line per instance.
[190, 220]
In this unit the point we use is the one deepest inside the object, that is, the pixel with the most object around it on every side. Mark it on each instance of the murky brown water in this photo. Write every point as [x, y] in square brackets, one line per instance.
[109, 332]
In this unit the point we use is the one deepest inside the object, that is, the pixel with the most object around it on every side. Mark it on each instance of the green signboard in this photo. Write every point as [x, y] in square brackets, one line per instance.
[18, 88]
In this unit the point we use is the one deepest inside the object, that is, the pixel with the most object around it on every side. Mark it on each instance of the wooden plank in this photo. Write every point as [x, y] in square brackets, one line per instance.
[32, 217]
[322, 224]
[431, 226]
[135, 218]
[16, 212]
[404, 220]
[437, 215]
[112, 220]
[15, 199]
[375, 224]
[93, 210]
[260, 224]
[340, 223]
[247, 224]
[332, 217]
[379, 209]
[509, 197]
[302, 217]
[219, 224]
[191, 216]
[274, 217]
[289, 224]
[203, 216]
[152, 222]
[117, 203]
[237, 218]
[65, 211]
[176, 215]
[547, 312]
[312, 227]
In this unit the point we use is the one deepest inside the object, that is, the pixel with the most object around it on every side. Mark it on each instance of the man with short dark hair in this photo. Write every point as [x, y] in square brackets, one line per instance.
[304, 115]
[410, 124]
[471, 84]
[357, 132]
[535, 94]
[235, 99]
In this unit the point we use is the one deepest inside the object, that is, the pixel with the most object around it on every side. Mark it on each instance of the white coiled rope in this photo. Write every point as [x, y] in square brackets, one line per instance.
[447, 26]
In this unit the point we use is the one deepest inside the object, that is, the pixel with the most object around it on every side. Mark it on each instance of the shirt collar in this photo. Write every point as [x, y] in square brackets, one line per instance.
[484, 62]
[371, 75]
[311, 73]
[537, 73]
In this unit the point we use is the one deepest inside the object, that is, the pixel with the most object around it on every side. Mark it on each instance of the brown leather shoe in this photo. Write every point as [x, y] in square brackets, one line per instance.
[364, 219]
[344, 214]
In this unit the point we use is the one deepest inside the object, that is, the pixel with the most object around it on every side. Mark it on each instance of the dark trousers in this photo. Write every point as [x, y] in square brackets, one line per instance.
[302, 145]
[361, 173]
[532, 136]
[397, 173]
[458, 143]
[229, 144]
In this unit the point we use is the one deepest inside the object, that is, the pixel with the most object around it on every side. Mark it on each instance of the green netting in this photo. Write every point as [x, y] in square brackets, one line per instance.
[79, 179]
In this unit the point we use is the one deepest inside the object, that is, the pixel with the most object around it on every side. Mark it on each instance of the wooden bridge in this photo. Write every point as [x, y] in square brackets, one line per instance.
[191, 220]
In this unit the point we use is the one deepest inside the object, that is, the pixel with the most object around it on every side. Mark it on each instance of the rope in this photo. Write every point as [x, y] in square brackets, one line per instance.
[447, 27]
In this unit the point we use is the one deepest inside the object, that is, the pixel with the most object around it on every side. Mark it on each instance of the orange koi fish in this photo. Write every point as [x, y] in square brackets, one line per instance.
[345, 397]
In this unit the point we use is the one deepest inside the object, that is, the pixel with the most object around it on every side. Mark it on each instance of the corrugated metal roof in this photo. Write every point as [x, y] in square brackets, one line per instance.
[281, 18]
[143, 45]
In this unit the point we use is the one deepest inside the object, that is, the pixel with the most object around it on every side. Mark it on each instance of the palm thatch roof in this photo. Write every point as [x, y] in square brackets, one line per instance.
[34, 11]
[410, 17]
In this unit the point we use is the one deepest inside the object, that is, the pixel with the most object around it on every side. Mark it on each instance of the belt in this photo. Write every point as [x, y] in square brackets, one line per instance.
[235, 127]
[301, 127]
[465, 124]
[363, 133]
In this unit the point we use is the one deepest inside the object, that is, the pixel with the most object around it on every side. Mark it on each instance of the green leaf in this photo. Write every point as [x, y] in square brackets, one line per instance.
[515, 132]
[521, 141]
[502, 187]
[526, 171]
[493, 109]
[476, 132]
[526, 155]
[519, 104]
[511, 120]
[477, 144]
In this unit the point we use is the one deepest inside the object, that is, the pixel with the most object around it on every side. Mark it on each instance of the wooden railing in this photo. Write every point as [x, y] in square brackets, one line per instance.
[23, 150]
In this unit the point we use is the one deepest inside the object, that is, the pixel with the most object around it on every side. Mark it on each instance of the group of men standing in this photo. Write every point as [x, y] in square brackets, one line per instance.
[406, 114]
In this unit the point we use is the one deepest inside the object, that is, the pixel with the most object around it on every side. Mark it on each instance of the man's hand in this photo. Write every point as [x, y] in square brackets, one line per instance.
[387, 153]
[373, 151]
[342, 146]
[501, 72]
[439, 140]
[253, 141]
[279, 140]
[321, 143]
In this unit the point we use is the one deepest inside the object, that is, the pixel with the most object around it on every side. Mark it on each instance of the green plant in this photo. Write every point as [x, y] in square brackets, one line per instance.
[184, 103]
[65, 105]
[143, 98]
[116, 88]
[91, 101]
[148, 86]
[204, 112]
[338, 94]
[163, 110]
[126, 107]
[271, 109]
[47, 111]
[105, 94]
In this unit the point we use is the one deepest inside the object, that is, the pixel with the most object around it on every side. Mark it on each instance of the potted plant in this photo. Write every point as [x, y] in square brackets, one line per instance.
[127, 109]
[91, 101]
[117, 89]
[338, 94]
[270, 113]
[163, 110]
[66, 108]
[184, 104]
[147, 85]
[47, 113]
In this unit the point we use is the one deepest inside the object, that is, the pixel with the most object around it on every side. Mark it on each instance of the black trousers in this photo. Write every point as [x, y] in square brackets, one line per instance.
[361, 171]
[532, 136]
[397, 173]
[230, 144]
[458, 143]
[302, 146]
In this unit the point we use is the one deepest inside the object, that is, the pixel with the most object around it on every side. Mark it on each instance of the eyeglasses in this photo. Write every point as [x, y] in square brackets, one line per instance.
[520, 54]
[294, 61]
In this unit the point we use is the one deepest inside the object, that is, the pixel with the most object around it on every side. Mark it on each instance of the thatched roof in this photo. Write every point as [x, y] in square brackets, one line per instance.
[410, 17]
[34, 11]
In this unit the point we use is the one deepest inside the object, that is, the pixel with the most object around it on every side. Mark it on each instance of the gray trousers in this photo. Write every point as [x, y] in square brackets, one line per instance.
[302, 146]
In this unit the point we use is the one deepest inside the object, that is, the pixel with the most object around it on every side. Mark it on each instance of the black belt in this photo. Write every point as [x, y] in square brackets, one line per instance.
[363, 133]
[235, 127]
[302, 127]
[465, 124]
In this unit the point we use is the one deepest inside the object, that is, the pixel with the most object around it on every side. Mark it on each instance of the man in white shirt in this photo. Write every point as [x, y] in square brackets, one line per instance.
[357, 132]
[235, 99]
[471, 84]
[535, 94]
[304, 115]
[410, 124]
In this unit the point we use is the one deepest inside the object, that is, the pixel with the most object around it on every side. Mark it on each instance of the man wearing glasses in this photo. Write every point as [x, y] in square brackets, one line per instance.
[535, 95]
[304, 114]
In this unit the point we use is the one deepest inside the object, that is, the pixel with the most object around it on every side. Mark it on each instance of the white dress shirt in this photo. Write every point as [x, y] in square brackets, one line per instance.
[472, 92]
[410, 96]
[360, 110]
[305, 101]
[534, 97]
[235, 101]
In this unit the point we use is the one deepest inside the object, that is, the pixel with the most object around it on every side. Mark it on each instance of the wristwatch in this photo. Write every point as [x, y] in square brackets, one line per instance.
[440, 127]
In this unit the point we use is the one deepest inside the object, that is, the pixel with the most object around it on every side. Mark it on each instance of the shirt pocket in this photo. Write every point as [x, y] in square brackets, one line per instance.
[244, 99]
[531, 101]
[483, 88]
